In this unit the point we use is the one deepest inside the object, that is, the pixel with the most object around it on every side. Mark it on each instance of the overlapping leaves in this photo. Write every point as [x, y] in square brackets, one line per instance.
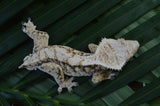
[76, 24]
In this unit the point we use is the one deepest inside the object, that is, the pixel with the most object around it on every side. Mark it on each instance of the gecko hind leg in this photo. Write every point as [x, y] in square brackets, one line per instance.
[56, 71]
[103, 75]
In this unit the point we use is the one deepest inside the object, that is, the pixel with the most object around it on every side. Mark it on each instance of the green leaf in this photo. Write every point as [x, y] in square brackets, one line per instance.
[118, 96]
[86, 15]
[76, 24]
[13, 60]
[10, 8]
[155, 101]
[30, 78]
[3, 101]
[113, 23]
[147, 93]
[28, 101]
[145, 30]
[39, 97]
[147, 78]
[156, 72]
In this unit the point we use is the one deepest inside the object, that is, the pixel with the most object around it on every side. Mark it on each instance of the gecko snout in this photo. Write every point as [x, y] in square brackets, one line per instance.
[21, 66]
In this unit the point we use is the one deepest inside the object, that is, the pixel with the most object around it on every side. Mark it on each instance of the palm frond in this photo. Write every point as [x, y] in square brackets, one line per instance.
[76, 23]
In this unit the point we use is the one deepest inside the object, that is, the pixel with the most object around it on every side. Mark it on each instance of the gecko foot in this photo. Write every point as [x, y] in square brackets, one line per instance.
[67, 84]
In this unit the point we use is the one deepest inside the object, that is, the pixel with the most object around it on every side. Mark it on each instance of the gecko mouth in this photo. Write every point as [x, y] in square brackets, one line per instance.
[23, 66]
[27, 67]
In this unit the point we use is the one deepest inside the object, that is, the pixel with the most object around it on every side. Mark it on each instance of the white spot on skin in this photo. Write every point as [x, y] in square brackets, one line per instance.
[77, 69]
[69, 68]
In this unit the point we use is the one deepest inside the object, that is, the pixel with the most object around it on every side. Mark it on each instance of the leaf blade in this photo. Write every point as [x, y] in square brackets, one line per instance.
[143, 95]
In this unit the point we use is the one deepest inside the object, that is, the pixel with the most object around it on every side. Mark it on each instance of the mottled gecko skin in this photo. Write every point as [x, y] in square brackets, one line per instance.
[59, 61]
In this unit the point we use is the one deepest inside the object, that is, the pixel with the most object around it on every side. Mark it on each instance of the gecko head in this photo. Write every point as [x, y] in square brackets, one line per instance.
[28, 27]
[25, 65]
[28, 67]
[28, 63]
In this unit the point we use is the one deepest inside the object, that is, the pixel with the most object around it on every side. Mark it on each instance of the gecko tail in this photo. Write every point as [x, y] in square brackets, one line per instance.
[113, 54]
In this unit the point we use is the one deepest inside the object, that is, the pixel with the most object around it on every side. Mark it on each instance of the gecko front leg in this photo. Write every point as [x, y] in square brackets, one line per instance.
[56, 71]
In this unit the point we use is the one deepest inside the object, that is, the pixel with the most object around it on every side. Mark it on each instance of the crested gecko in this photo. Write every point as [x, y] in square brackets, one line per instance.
[58, 60]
